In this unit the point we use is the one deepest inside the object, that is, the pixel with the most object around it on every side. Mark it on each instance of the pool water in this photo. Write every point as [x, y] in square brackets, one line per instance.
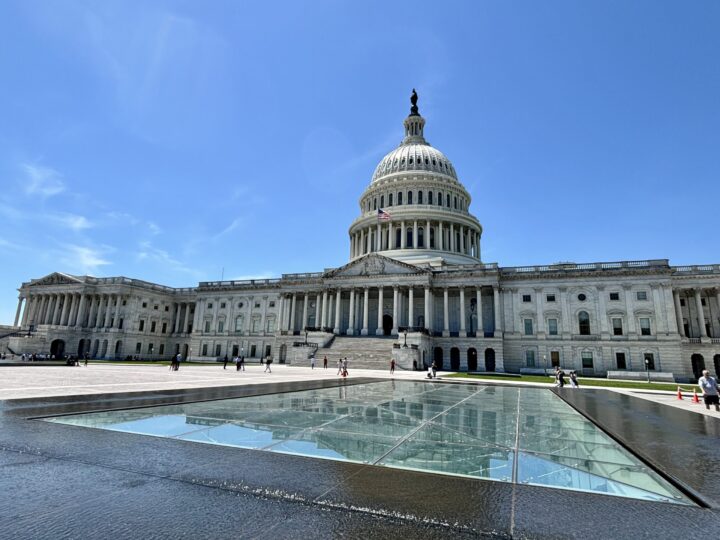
[503, 433]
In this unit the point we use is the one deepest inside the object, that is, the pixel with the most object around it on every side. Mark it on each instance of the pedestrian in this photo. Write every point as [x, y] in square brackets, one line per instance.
[557, 375]
[312, 362]
[574, 380]
[325, 363]
[267, 365]
[344, 367]
[561, 378]
[434, 369]
[339, 366]
[86, 359]
[225, 361]
[392, 366]
[236, 360]
[242, 363]
[709, 387]
[178, 358]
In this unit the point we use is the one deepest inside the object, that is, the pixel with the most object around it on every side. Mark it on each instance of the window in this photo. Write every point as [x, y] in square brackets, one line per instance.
[530, 358]
[240, 305]
[161, 350]
[167, 308]
[420, 197]
[204, 349]
[641, 295]
[550, 298]
[528, 327]
[382, 201]
[400, 198]
[272, 303]
[552, 327]
[649, 360]
[410, 197]
[421, 237]
[702, 302]
[398, 237]
[164, 328]
[138, 348]
[620, 360]
[222, 305]
[455, 203]
[617, 326]
[587, 360]
[207, 326]
[155, 307]
[124, 302]
[209, 306]
[218, 349]
[584, 323]
[447, 200]
[221, 326]
[555, 358]
[682, 302]
[153, 324]
[255, 324]
[257, 304]
[409, 238]
[582, 297]
[120, 324]
[238, 323]
[439, 199]
[430, 198]
[614, 297]
[144, 304]
[150, 349]
[270, 325]
[390, 199]
[526, 298]
[142, 325]
[645, 326]
[432, 238]
[375, 203]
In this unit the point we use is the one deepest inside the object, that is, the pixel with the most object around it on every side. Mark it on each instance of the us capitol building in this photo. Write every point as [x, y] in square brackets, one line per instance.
[415, 288]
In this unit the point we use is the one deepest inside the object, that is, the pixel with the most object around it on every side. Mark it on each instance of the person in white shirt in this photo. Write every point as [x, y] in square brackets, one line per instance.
[709, 387]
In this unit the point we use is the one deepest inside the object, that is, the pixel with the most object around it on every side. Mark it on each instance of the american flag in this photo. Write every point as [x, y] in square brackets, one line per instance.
[383, 215]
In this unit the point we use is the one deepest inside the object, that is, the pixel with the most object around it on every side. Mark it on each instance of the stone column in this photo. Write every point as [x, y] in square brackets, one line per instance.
[186, 321]
[603, 311]
[701, 313]
[497, 315]
[42, 309]
[82, 306]
[361, 246]
[446, 314]
[564, 309]
[338, 298]
[411, 306]
[452, 238]
[415, 239]
[99, 314]
[73, 309]
[304, 313]
[463, 330]
[293, 306]
[678, 314]
[540, 316]
[27, 312]
[56, 311]
[427, 235]
[630, 310]
[324, 322]
[366, 299]
[65, 307]
[178, 309]
[351, 315]
[118, 303]
[426, 314]
[394, 330]
[379, 329]
[462, 239]
[108, 306]
[378, 238]
[369, 240]
[403, 236]
[440, 240]
[317, 309]
[17, 312]
[352, 246]
[478, 308]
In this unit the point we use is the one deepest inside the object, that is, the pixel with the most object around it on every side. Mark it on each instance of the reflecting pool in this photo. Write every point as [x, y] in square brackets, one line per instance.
[503, 433]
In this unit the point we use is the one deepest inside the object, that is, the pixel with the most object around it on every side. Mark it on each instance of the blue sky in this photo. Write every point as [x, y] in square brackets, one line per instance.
[168, 141]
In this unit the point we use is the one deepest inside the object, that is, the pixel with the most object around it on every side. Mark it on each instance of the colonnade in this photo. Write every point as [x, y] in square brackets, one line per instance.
[690, 296]
[182, 314]
[72, 309]
[329, 309]
[416, 234]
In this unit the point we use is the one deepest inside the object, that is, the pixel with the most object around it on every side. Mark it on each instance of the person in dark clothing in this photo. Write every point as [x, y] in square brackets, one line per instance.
[225, 361]
[392, 366]
[325, 363]
[561, 378]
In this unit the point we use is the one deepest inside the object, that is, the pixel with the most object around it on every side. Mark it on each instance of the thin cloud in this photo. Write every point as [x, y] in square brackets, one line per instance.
[73, 221]
[42, 181]
[150, 253]
[83, 259]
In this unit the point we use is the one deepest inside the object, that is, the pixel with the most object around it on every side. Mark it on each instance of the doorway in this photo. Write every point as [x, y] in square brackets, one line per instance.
[698, 364]
[438, 357]
[387, 324]
[57, 348]
[489, 359]
[455, 359]
[472, 359]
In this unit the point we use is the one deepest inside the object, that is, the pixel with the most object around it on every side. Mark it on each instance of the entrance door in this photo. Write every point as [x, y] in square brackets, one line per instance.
[57, 348]
[235, 350]
[81, 347]
[716, 361]
[455, 359]
[489, 359]
[438, 357]
[472, 359]
[185, 351]
[698, 364]
[387, 325]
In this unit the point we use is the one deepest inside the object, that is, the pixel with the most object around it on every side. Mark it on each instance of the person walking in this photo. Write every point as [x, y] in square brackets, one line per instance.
[344, 367]
[312, 362]
[325, 362]
[236, 360]
[392, 365]
[225, 361]
[561, 378]
[178, 358]
[709, 387]
[340, 364]
[434, 369]
[267, 365]
[242, 364]
[574, 380]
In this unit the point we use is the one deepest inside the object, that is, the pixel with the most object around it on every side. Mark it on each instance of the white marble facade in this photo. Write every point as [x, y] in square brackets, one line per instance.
[418, 271]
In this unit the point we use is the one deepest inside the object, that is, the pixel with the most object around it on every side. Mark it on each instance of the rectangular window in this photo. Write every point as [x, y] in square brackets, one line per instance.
[257, 304]
[124, 302]
[271, 304]
[152, 327]
[400, 198]
[420, 197]
[390, 199]
[530, 358]
[682, 302]
[617, 326]
[620, 360]
[222, 305]
[382, 201]
[552, 327]
[614, 296]
[120, 324]
[238, 324]
[204, 349]
[528, 327]
[161, 350]
[550, 298]
[151, 347]
[255, 325]
[526, 298]
[142, 325]
[207, 327]
[587, 360]
[270, 327]
[555, 358]
[138, 348]
[645, 326]
[167, 308]
[144, 304]
[209, 306]
[217, 350]
[641, 295]
[221, 326]
[649, 360]
[164, 328]
[155, 307]
[702, 301]
[447, 200]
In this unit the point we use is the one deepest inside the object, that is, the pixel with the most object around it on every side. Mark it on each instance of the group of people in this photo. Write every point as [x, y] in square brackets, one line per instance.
[239, 362]
[560, 378]
[342, 367]
[312, 362]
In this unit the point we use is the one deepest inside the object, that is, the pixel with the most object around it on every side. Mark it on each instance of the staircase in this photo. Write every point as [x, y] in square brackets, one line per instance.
[361, 351]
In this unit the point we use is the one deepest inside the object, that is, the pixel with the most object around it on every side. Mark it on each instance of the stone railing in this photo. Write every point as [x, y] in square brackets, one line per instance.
[574, 267]
[239, 282]
[697, 269]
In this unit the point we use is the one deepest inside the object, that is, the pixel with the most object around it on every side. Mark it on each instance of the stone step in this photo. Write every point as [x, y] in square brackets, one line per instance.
[361, 352]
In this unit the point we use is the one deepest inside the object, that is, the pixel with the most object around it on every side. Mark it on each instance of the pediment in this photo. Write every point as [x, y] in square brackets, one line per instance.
[56, 278]
[375, 265]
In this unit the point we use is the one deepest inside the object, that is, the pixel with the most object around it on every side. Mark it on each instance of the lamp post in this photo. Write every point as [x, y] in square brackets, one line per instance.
[545, 362]
[647, 369]
[405, 344]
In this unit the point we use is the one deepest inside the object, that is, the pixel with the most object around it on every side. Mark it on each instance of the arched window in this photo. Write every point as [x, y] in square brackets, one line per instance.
[439, 199]
[410, 197]
[432, 238]
[400, 198]
[447, 199]
[455, 203]
[398, 238]
[382, 201]
[421, 237]
[390, 199]
[375, 203]
[409, 238]
[584, 323]
[430, 199]
[457, 241]
[420, 197]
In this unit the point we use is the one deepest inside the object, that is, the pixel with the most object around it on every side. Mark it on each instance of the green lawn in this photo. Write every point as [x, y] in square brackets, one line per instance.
[583, 381]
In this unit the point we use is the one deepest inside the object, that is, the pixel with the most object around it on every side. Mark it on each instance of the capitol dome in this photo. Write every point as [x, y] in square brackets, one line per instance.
[416, 209]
